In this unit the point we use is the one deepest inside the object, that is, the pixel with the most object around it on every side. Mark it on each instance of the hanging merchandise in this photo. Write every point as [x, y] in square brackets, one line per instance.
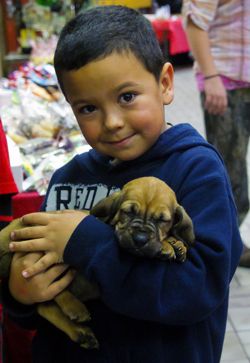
[7, 183]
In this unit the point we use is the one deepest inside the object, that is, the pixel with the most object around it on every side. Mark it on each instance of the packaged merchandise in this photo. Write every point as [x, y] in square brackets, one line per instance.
[38, 120]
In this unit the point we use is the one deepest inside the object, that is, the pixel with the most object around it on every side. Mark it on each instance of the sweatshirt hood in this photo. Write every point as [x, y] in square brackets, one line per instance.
[175, 139]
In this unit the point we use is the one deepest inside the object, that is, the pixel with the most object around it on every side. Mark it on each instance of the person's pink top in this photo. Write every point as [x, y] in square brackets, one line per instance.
[228, 25]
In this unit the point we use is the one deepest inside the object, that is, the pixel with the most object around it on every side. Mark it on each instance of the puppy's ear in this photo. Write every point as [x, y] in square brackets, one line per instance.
[183, 226]
[106, 209]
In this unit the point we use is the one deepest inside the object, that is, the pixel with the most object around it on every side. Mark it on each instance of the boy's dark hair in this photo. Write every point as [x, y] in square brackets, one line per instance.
[102, 30]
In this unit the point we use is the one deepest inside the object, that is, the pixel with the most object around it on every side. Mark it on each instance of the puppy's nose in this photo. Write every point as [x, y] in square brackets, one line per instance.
[140, 239]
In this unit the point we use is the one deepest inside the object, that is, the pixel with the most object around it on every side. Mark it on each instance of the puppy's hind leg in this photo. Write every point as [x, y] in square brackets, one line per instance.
[72, 307]
[80, 334]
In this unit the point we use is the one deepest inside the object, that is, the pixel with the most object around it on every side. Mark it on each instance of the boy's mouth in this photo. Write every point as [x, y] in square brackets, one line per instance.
[121, 141]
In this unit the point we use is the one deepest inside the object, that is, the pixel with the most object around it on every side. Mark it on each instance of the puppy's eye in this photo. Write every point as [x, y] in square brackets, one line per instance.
[130, 211]
[125, 215]
[162, 219]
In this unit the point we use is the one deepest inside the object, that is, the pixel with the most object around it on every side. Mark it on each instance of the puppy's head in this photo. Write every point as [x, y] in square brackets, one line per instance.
[143, 213]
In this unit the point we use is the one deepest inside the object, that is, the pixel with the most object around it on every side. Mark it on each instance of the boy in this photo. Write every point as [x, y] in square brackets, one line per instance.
[112, 73]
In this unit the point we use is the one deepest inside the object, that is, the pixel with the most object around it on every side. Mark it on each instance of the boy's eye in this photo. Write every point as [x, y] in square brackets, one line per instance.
[127, 97]
[87, 109]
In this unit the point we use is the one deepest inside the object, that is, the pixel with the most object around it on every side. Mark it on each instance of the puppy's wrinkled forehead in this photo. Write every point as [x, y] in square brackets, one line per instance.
[149, 193]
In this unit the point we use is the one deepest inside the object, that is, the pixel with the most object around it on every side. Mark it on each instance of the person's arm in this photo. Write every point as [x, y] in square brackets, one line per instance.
[200, 46]
[216, 96]
[20, 295]
[160, 291]
[41, 287]
[48, 232]
[170, 293]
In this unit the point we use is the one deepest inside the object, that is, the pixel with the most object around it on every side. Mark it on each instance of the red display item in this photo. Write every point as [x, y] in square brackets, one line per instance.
[7, 183]
[171, 31]
[17, 341]
[26, 202]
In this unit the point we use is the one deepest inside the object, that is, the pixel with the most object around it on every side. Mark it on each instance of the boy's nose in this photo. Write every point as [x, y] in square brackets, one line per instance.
[113, 120]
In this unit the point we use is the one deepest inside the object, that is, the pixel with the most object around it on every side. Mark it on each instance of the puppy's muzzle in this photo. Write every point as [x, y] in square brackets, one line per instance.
[140, 238]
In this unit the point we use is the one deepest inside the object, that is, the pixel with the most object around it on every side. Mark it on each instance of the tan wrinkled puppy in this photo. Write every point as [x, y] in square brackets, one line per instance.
[148, 222]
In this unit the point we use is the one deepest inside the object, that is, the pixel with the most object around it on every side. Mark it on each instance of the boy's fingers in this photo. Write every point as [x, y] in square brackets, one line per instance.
[59, 285]
[27, 233]
[36, 218]
[42, 218]
[41, 265]
[34, 245]
[55, 271]
[26, 258]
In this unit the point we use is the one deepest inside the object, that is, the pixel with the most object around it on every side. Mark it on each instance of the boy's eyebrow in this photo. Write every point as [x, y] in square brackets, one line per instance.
[126, 84]
[78, 102]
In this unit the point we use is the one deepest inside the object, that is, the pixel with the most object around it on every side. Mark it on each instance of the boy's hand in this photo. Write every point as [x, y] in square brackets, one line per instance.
[48, 233]
[41, 287]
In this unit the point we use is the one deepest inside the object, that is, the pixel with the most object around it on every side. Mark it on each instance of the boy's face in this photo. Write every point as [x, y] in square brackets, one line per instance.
[118, 104]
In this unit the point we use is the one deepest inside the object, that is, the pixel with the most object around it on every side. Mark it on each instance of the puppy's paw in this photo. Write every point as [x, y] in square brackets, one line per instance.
[83, 336]
[86, 338]
[180, 249]
[167, 251]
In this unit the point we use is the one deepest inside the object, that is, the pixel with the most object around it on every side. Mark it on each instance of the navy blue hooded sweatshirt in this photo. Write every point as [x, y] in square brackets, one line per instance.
[150, 311]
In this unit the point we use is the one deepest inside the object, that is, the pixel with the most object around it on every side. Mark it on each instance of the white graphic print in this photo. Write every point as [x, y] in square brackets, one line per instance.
[77, 196]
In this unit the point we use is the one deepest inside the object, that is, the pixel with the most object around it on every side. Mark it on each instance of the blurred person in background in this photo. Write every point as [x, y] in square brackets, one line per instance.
[175, 5]
[219, 36]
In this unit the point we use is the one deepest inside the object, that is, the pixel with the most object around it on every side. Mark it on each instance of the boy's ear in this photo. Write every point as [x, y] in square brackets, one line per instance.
[167, 83]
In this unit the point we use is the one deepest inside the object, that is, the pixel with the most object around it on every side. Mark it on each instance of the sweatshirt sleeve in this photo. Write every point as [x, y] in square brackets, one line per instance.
[162, 291]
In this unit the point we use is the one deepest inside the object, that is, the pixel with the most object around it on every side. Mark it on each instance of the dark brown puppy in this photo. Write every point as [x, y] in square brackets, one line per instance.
[148, 222]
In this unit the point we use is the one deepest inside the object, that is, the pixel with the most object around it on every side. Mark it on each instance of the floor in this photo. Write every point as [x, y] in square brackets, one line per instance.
[186, 108]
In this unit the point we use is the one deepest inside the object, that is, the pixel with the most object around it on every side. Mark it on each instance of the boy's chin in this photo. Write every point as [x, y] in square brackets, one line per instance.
[130, 155]
[126, 154]
[118, 160]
